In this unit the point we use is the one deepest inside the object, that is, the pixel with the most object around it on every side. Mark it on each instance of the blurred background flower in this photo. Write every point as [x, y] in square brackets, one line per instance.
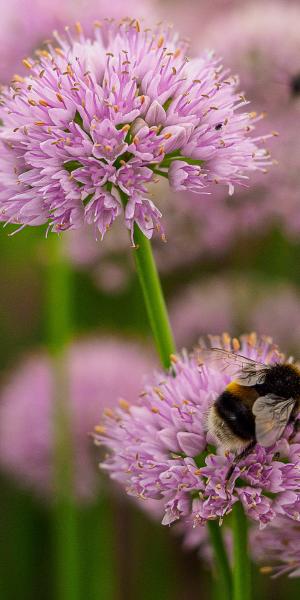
[25, 25]
[278, 548]
[231, 303]
[100, 372]
[233, 266]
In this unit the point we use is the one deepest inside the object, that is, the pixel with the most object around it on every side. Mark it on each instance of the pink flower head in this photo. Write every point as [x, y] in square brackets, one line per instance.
[273, 308]
[159, 448]
[263, 44]
[103, 116]
[260, 40]
[100, 373]
[277, 548]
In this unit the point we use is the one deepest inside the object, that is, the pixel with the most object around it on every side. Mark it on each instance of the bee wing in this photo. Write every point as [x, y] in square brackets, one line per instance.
[271, 417]
[245, 371]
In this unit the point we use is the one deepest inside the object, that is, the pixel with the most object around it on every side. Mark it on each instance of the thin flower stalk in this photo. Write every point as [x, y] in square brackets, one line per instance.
[241, 560]
[65, 540]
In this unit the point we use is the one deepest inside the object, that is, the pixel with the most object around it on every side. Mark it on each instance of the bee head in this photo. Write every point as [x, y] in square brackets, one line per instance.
[283, 380]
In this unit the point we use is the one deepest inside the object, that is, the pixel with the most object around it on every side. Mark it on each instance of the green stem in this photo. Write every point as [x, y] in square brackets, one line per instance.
[161, 173]
[221, 559]
[159, 321]
[153, 296]
[241, 562]
[59, 299]
[66, 551]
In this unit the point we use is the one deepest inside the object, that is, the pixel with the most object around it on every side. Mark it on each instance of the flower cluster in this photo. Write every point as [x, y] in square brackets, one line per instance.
[277, 548]
[160, 448]
[263, 45]
[26, 409]
[264, 307]
[100, 118]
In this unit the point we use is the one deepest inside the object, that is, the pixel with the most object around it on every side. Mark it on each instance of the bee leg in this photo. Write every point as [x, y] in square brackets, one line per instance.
[237, 459]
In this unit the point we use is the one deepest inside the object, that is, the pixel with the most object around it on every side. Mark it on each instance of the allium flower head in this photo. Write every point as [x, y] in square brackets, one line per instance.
[268, 307]
[277, 548]
[260, 40]
[100, 373]
[159, 448]
[99, 118]
[263, 42]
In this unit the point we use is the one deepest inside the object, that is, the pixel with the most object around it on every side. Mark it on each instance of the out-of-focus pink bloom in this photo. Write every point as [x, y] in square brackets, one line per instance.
[261, 42]
[26, 24]
[277, 548]
[110, 265]
[200, 308]
[100, 372]
[279, 312]
[158, 448]
[192, 16]
[229, 303]
[104, 116]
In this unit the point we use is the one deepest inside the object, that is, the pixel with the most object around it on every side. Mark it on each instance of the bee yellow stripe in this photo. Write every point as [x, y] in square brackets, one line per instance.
[234, 387]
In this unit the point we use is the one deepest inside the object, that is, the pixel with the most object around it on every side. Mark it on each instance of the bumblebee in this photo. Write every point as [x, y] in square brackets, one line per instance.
[256, 406]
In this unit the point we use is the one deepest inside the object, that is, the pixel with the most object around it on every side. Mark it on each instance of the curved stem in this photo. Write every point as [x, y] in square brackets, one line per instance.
[66, 550]
[241, 562]
[221, 558]
[159, 320]
[153, 296]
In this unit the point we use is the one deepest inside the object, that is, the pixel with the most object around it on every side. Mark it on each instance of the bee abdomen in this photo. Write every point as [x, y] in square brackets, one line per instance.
[237, 416]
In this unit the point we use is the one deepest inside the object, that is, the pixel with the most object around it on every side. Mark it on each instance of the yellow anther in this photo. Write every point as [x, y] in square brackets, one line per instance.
[59, 51]
[100, 429]
[158, 391]
[17, 79]
[108, 412]
[78, 27]
[266, 570]
[27, 63]
[236, 344]
[124, 404]
[43, 53]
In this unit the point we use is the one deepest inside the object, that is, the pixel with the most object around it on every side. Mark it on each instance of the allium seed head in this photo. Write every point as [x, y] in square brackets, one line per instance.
[97, 119]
